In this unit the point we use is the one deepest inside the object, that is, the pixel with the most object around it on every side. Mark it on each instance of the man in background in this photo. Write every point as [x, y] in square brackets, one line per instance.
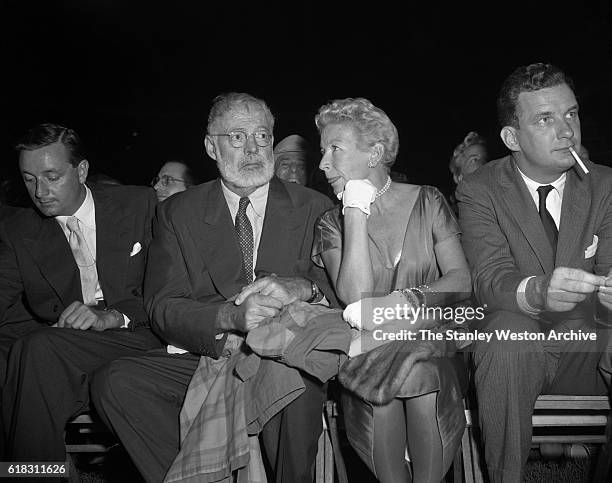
[292, 159]
[173, 177]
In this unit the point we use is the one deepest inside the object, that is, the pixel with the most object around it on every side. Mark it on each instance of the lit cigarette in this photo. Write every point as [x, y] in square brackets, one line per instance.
[578, 160]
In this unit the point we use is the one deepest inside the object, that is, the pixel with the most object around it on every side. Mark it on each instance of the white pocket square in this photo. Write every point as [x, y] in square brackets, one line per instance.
[590, 250]
[136, 249]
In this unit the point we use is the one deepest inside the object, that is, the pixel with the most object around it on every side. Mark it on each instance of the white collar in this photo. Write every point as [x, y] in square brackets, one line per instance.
[86, 213]
[258, 198]
[532, 186]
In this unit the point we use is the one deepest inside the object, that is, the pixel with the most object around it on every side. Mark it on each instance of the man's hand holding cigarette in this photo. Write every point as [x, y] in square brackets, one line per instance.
[562, 290]
[604, 293]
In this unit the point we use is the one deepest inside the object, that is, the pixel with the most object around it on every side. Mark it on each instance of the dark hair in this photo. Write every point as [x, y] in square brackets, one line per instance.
[224, 103]
[192, 175]
[46, 134]
[526, 78]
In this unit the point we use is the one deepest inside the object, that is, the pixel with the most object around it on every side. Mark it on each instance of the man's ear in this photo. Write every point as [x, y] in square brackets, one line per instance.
[509, 136]
[211, 149]
[82, 170]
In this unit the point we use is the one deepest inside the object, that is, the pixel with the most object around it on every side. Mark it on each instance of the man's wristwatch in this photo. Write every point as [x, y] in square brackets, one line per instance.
[316, 295]
[119, 316]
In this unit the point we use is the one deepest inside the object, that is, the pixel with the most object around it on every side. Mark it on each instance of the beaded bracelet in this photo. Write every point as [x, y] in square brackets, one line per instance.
[410, 295]
[420, 294]
[424, 287]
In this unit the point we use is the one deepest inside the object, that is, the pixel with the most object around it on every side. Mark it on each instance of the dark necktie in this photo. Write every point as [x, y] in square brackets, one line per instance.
[244, 230]
[547, 220]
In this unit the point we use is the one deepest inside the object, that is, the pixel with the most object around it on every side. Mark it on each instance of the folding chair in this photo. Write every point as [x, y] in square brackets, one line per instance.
[329, 455]
[586, 415]
[85, 434]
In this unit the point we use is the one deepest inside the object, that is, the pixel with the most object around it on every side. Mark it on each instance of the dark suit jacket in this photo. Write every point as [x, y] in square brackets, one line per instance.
[195, 261]
[504, 240]
[36, 261]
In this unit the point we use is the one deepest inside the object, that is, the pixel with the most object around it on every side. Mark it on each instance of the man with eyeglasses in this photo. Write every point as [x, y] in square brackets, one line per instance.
[206, 282]
[173, 177]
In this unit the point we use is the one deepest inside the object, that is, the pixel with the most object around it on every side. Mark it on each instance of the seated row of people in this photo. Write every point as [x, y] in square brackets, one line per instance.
[291, 160]
[206, 343]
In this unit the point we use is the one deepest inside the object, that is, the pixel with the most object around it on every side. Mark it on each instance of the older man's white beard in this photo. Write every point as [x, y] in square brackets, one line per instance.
[247, 177]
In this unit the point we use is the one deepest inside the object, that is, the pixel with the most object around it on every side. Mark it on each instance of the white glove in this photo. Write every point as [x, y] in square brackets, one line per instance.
[352, 314]
[356, 346]
[358, 193]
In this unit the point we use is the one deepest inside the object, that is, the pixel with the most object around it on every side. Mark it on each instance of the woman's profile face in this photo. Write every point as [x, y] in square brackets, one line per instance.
[342, 159]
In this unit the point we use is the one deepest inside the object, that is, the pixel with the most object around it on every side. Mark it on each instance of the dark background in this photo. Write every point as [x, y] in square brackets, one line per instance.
[135, 79]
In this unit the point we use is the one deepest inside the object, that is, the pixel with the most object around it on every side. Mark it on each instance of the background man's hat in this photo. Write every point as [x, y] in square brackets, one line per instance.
[291, 144]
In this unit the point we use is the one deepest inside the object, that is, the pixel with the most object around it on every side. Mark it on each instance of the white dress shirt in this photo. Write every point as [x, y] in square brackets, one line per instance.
[554, 201]
[255, 212]
[86, 214]
[554, 198]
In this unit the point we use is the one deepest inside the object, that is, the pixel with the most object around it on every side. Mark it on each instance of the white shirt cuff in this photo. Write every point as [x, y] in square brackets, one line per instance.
[323, 301]
[175, 350]
[126, 321]
[521, 298]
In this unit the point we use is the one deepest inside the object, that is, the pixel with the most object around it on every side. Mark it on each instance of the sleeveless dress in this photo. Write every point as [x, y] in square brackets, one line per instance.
[431, 221]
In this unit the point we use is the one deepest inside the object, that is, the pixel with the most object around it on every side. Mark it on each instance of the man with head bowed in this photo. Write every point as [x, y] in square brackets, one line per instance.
[245, 229]
[537, 232]
[71, 275]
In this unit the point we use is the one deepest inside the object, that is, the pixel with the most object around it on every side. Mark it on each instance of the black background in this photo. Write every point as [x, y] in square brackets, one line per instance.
[135, 79]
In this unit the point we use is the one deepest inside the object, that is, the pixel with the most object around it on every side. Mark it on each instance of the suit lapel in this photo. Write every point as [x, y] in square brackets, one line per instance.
[217, 239]
[574, 218]
[280, 223]
[52, 254]
[522, 208]
[113, 243]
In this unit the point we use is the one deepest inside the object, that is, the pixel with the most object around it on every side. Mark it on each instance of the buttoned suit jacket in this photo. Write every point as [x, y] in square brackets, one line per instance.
[504, 239]
[195, 261]
[37, 265]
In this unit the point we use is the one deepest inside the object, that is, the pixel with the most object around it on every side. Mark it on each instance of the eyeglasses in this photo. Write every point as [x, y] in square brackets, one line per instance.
[238, 138]
[166, 180]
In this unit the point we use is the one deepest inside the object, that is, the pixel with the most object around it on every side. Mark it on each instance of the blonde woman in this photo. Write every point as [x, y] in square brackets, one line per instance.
[393, 243]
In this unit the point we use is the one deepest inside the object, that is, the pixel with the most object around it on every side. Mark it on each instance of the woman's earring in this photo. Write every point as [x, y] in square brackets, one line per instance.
[371, 164]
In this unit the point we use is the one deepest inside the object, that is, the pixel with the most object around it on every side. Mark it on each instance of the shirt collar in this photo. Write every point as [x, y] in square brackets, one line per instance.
[532, 186]
[258, 198]
[86, 213]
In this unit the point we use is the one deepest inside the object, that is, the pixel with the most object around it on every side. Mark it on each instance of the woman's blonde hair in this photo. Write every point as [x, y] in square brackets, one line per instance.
[370, 123]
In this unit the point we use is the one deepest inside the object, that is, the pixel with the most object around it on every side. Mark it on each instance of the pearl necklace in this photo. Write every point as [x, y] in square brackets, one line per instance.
[384, 189]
